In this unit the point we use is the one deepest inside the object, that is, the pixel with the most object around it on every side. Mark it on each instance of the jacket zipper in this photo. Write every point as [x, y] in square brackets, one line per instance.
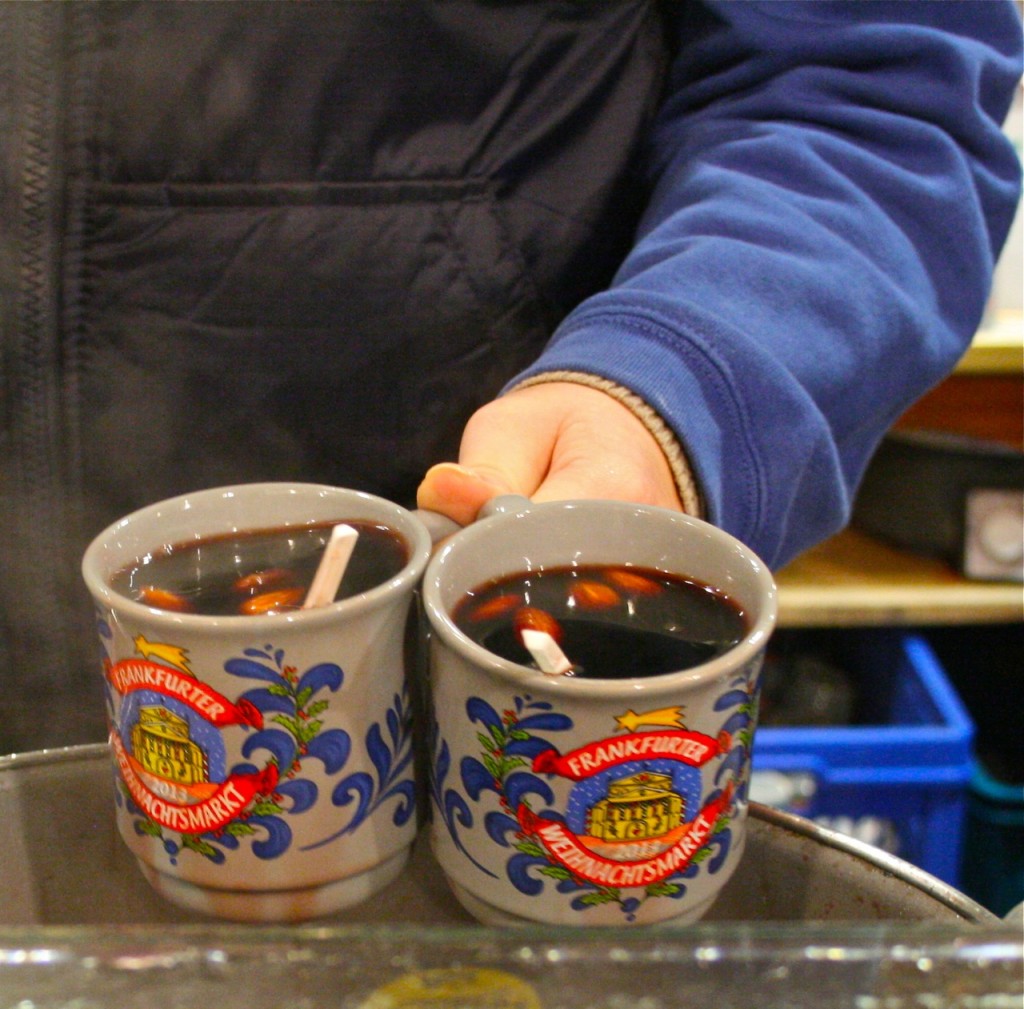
[33, 211]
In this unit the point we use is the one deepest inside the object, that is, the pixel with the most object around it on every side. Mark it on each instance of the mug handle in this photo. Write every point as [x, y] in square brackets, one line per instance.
[441, 527]
[504, 504]
[438, 526]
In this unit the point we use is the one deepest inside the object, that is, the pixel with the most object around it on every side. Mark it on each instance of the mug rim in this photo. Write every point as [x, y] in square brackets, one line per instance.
[412, 530]
[526, 677]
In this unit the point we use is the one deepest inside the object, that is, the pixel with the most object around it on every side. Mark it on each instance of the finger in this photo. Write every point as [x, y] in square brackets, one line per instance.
[509, 442]
[456, 491]
[506, 448]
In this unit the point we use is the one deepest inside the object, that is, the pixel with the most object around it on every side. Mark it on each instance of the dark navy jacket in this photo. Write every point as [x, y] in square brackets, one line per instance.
[278, 240]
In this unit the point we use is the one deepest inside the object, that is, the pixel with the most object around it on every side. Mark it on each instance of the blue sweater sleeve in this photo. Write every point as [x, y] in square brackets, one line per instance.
[831, 186]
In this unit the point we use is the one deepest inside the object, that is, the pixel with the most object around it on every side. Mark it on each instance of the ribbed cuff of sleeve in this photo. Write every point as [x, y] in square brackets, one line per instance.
[686, 483]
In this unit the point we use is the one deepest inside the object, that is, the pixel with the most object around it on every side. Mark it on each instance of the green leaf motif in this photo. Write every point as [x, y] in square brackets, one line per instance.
[197, 845]
[556, 871]
[662, 889]
[266, 807]
[509, 764]
[309, 730]
[239, 828]
[530, 848]
[602, 896]
[291, 724]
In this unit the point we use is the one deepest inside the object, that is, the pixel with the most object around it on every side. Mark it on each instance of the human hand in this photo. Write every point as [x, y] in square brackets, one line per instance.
[548, 442]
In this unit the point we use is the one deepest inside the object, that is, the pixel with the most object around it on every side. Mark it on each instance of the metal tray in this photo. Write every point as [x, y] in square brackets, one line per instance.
[64, 864]
[811, 920]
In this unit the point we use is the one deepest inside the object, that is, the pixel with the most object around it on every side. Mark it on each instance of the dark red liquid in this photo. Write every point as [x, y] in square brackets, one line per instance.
[613, 622]
[236, 573]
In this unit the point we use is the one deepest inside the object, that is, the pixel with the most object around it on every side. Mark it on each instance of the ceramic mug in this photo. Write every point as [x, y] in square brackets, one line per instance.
[264, 763]
[577, 801]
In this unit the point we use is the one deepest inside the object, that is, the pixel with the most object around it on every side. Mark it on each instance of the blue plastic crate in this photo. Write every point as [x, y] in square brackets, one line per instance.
[898, 775]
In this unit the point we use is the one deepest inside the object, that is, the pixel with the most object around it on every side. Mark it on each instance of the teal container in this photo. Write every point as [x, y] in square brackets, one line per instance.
[984, 665]
[993, 866]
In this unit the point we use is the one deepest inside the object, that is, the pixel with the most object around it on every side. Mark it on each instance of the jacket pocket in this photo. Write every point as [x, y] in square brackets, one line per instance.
[338, 332]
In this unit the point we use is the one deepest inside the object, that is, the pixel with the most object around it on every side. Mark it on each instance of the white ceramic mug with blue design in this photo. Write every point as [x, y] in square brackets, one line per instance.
[264, 763]
[579, 801]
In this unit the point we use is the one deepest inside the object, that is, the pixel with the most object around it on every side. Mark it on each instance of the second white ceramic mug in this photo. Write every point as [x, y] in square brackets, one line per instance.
[533, 774]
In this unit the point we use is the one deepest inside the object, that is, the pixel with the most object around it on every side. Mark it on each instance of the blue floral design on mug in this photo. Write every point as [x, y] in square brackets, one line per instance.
[634, 827]
[171, 756]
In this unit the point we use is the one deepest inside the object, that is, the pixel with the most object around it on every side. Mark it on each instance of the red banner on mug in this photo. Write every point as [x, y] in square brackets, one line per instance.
[130, 675]
[229, 798]
[693, 748]
[567, 849]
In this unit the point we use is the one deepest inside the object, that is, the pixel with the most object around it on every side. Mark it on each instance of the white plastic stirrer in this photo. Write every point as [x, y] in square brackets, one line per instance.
[332, 566]
[550, 659]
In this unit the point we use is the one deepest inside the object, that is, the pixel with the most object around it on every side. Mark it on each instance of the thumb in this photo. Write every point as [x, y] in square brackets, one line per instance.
[458, 491]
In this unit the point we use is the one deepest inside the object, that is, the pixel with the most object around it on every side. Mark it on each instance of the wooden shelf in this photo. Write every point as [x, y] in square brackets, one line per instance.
[855, 580]
[997, 348]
